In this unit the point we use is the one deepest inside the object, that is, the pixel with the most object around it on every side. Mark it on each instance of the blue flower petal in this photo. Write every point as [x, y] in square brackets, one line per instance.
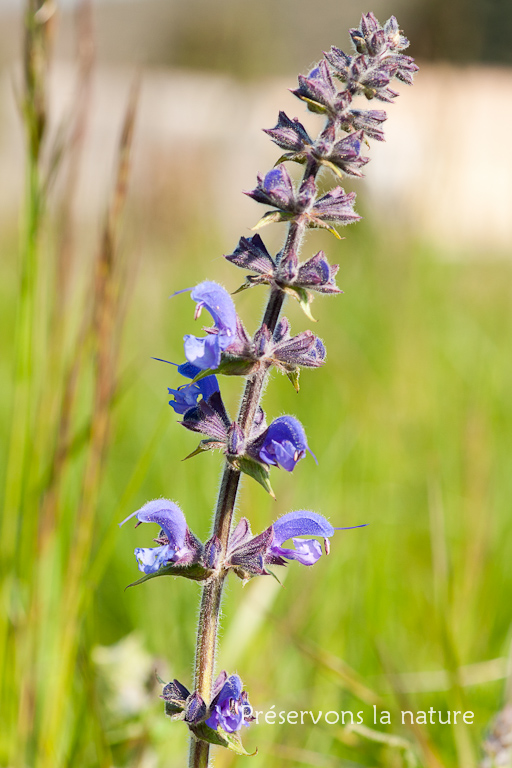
[301, 523]
[203, 352]
[150, 560]
[218, 302]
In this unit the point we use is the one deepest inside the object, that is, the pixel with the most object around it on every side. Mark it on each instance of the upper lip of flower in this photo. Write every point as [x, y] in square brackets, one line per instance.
[177, 545]
[205, 352]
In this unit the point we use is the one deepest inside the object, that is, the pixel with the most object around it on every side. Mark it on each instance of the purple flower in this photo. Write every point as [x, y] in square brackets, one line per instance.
[283, 443]
[206, 352]
[367, 120]
[293, 524]
[185, 397]
[230, 708]
[336, 206]
[251, 253]
[317, 90]
[346, 154]
[305, 349]
[318, 275]
[249, 555]
[275, 189]
[177, 544]
[289, 134]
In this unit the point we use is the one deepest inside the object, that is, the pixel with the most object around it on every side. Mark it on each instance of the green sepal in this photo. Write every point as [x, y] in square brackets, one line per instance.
[314, 106]
[203, 374]
[244, 287]
[221, 738]
[260, 472]
[293, 375]
[210, 444]
[272, 217]
[304, 298]
[294, 157]
[236, 366]
[334, 168]
[252, 280]
[174, 711]
[315, 223]
[194, 571]
[229, 366]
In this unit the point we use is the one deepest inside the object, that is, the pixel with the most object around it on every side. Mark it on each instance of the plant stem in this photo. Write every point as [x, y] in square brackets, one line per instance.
[212, 590]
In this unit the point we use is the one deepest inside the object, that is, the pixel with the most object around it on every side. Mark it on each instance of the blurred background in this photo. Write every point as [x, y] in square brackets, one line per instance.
[128, 129]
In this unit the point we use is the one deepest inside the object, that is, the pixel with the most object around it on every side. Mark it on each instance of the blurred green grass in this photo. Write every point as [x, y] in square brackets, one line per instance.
[411, 421]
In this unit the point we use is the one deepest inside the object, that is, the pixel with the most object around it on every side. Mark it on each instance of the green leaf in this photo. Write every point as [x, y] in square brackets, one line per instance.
[229, 366]
[315, 223]
[314, 106]
[174, 711]
[334, 168]
[209, 444]
[244, 286]
[295, 157]
[272, 217]
[221, 738]
[236, 366]
[293, 375]
[203, 374]
[255, 469]
[304, 298]
[195, 571]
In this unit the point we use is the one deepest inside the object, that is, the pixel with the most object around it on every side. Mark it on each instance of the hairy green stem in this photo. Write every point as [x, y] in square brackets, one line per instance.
[212, 591]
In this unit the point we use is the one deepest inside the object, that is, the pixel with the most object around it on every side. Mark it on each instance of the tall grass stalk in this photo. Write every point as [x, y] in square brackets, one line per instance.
[65, 382]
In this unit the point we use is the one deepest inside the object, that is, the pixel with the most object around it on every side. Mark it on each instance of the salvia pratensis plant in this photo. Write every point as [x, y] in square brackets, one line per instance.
[215, 709]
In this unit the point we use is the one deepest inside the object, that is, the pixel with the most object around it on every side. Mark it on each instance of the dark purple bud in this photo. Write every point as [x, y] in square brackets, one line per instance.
[406, 69]
[282, 330]
[195, 709]
[262, 341]
[346, 154]
[240, 345]
[318, 275]
[211, 553]
[339, 61]
[287, 267]
[241, 534]
[377, 42]
[275, 189]
[317, 89]
[307, 193]
[258, 423]
[246, 553]
[251, 253]
[335, 206]
[396, 41]
[367, 120]
[175, 693]
[289, 134]
[305, 349]
[177, 544]
[235, 440]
